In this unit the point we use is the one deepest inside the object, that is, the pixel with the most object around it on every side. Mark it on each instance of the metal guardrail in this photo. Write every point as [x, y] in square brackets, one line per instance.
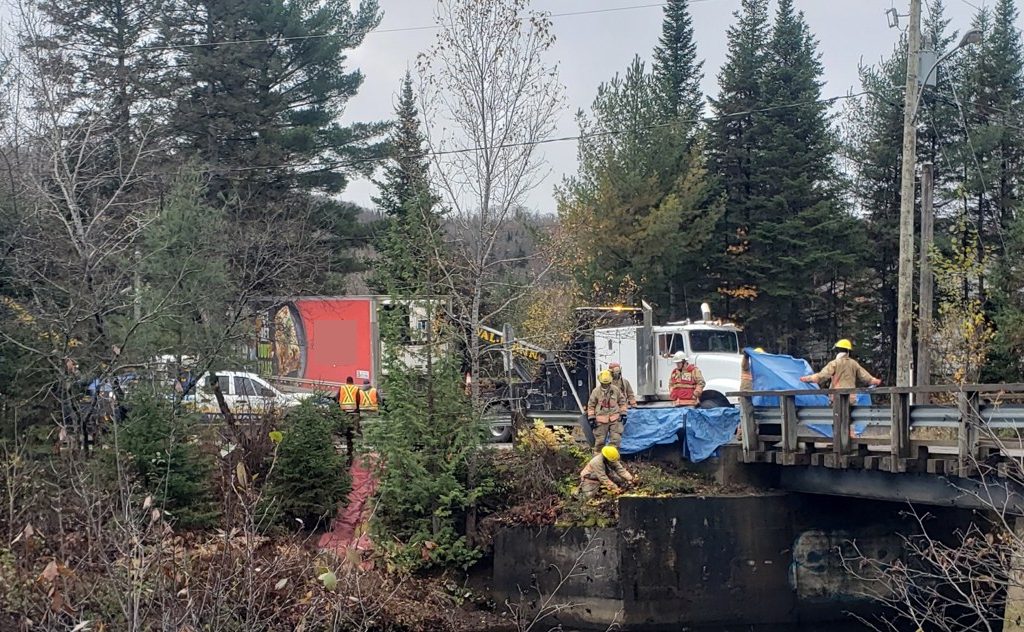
[979, 427]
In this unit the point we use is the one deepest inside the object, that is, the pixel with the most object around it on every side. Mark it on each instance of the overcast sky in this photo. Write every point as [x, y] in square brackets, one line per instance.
[591, 48]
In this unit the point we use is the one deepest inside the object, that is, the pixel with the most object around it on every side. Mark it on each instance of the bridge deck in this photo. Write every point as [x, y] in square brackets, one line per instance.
[981, 433]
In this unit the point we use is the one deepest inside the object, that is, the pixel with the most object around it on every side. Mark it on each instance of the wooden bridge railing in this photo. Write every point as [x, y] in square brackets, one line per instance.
[978, 408]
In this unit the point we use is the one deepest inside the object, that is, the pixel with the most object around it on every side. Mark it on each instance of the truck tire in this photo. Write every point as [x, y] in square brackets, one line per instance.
[713, 399]
[498, 417]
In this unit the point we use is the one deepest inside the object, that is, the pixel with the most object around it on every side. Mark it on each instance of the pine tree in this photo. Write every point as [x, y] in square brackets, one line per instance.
[994, 99]
[260, 87]
[98, 56]
[676, 68]
[792, 250]
[184, 272]
[1007, 359]
[873, 139]
[411, 234]
[734, 158]
[310, 477]
[641, 205]
[427, 439]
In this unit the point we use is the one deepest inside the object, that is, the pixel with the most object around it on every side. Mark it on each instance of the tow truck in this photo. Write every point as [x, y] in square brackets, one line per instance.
[556, 391]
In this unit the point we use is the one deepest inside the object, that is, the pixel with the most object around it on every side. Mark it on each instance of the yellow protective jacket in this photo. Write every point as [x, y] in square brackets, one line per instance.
[627, 389]
[606, 403]
[597, 469]
[843, 372]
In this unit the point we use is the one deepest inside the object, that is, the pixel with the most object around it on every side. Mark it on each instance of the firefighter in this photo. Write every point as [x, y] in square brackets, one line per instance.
[349, 396]
[686, 383]
[604, 470]
[604, 411]
[844, 371]
[622, 384]
[368, 397]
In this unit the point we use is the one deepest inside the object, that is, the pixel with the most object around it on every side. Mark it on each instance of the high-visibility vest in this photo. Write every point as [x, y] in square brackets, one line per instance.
[682, 384]
[368, 399]
[348, 397]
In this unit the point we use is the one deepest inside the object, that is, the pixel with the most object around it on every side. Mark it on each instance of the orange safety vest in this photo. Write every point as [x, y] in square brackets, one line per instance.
[348, 397]
[368, 399]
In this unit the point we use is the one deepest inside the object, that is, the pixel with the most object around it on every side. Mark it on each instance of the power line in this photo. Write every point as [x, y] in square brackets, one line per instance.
[544, 141]
[971, 4]
[389, 30]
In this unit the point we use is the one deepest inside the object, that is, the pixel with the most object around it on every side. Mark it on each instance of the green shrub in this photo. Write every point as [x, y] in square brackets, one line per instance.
[163, 453]
[310, 477]
[433, 473]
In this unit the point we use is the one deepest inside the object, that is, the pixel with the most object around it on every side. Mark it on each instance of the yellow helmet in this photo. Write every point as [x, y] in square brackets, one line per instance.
[605, 377]
[759, 350]
[845, 344]
[610, 452]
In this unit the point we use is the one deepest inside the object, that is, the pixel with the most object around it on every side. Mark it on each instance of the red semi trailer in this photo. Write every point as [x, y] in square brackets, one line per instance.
[314, 341]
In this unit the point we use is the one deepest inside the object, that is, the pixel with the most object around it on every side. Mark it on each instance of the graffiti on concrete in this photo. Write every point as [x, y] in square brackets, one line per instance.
[829, 565]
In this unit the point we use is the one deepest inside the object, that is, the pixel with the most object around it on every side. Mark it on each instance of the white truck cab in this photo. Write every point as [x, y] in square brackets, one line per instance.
[645, 353]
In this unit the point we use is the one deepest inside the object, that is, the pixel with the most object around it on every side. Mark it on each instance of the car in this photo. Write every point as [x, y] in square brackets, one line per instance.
[244, 393]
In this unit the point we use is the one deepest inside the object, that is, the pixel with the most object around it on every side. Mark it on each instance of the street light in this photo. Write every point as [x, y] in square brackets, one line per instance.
[912, 99]
[970, 38]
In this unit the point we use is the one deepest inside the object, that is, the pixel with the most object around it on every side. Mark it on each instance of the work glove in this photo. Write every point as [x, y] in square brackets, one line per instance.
[592, 421]
[623, 418]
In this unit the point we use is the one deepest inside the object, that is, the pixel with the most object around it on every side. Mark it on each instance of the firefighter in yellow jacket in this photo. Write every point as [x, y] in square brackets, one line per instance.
[844, 371]
[622, 384]
[604, 470]
[604, 410]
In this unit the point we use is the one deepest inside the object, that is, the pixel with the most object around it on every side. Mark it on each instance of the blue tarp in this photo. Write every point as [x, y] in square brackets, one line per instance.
[782, 373]
[773, 372]
[705, 429]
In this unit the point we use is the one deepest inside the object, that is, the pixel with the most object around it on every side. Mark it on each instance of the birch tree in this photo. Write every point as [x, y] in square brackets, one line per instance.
[489, 98]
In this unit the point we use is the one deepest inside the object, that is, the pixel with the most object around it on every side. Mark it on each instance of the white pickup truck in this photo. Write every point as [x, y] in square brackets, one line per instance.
[244, 393]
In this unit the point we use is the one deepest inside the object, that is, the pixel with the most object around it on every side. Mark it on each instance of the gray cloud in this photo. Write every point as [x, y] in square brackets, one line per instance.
[592, 48]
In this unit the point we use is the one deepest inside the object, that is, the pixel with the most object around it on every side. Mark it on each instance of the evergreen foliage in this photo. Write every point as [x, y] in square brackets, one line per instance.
[873, 143]
[428, 442]
[186, 270]
[642, 204]
[407, 252]
[677, 69]
[162, 452]
[263, 113]
[427, 437]
[806, 247]
[310, 477]
[734, 149]
[792, 250]
[99, 56]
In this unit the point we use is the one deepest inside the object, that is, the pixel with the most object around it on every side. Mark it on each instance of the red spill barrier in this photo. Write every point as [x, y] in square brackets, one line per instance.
[348, 531]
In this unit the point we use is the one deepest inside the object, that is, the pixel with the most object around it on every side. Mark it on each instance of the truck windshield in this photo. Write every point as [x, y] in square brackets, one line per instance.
[714, 341]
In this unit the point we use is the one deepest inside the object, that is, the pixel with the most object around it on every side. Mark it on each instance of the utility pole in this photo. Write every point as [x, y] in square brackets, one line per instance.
[905, 287]
[924, 326]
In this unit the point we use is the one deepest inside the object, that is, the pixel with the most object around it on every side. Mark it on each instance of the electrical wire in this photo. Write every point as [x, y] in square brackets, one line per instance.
[543, 141]
[390, 30]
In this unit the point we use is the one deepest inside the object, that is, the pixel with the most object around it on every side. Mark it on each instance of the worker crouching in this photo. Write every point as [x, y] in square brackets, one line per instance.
[686, 384]
[605, 408]
[606, 471]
